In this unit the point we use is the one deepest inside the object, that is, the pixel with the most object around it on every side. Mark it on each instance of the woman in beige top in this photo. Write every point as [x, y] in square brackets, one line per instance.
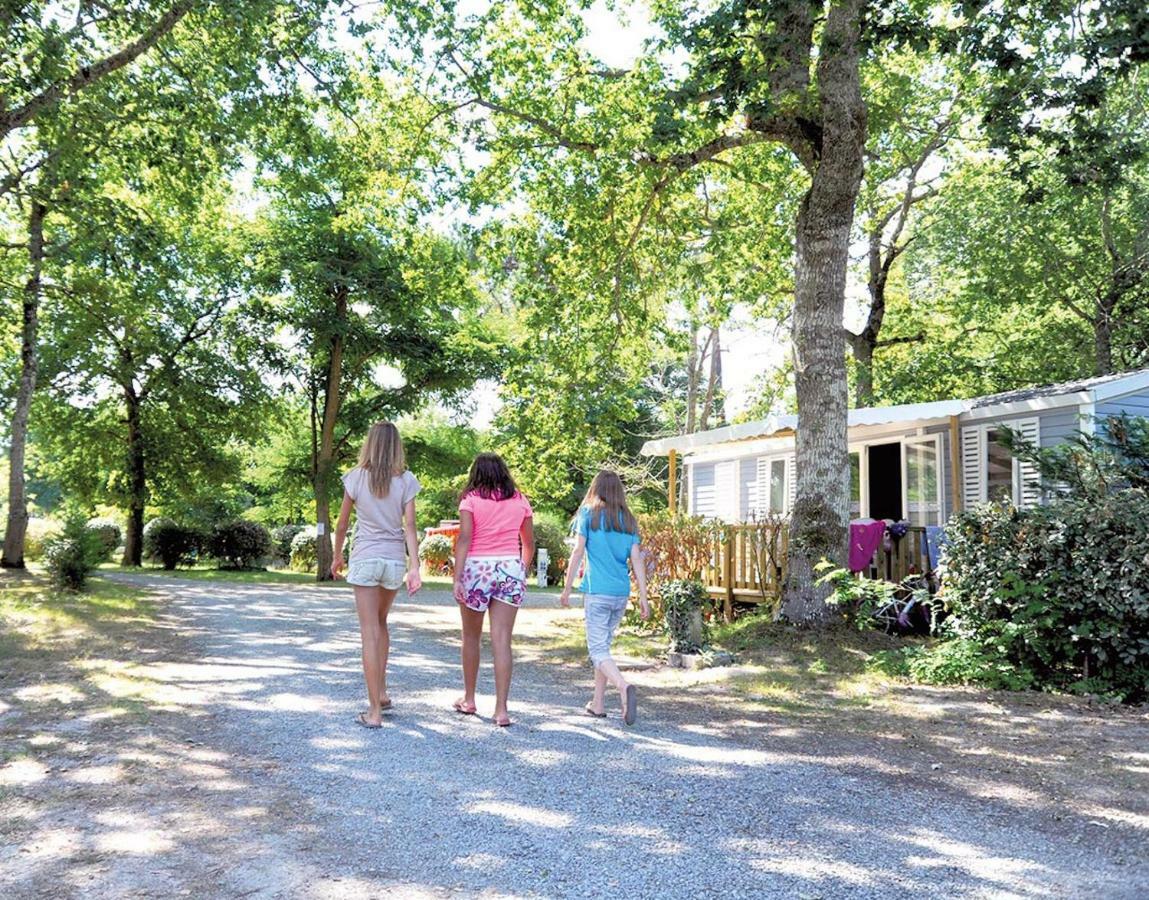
[382, 492]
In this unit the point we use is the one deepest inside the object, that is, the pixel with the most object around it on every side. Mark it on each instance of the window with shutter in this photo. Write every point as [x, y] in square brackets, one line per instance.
[791, 481]
[1028, 477]
[972, 482]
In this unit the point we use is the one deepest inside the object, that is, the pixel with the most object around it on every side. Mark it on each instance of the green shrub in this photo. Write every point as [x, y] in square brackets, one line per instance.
[875, 602]
[437, 553]
[239, 544]
[39, 532]
[1059, 593]
[957, 660]
[108, 533]
[71, 556]
[281, 538]
[550, 534]
[682, 603]
[303, 553]
[171, 544]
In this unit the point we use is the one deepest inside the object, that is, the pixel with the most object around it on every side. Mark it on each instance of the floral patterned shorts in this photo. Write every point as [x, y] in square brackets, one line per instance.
[487, 578]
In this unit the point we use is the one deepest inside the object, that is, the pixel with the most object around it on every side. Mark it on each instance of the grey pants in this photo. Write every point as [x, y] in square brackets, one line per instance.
[603, 613]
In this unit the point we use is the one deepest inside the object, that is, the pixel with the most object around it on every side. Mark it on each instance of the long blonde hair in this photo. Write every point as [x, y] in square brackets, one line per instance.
[382, 457]
[605, 500]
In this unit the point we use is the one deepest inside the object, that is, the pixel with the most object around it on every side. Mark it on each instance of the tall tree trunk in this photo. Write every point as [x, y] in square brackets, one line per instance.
[863, 346]
[1103, 343]
[693, 364]
[17, 525]
[818, 526]
[712, 380]
[324, 467]
[716, 377]
[137, 483]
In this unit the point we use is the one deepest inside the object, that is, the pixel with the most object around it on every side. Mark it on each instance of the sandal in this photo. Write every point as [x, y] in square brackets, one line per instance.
[503, 721]
[464, 709]
[590, 712]
[362, 720]
[631, 699]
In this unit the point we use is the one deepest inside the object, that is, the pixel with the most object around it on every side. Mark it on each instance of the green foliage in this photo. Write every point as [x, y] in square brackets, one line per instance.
[73, 554]
[171, 544]
[957, 660]
[437, 553]
[239, 544]
[440, 453]
[871, 602]
[1059, 593]
[1092, 465]
[303, 552]
[551, 532]
[38, 533]
[859, 598]
[282, 537]
[682, 602]
[109, 534]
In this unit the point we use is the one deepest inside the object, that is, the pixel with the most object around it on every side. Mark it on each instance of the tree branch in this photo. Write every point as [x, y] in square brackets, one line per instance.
[86, 76]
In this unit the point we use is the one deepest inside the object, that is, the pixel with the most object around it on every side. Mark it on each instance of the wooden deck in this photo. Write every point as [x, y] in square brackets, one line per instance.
[749, 563]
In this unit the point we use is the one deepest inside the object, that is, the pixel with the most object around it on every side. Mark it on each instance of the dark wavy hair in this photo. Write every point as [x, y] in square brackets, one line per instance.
[490, 478]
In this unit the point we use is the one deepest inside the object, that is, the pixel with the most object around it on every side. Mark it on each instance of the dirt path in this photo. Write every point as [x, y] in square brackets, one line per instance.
[241, 774]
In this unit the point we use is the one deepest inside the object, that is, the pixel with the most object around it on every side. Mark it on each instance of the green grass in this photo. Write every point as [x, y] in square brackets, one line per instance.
[28, 598]
[210, 573]
[71, 652]
[809, 671]
[278, 576]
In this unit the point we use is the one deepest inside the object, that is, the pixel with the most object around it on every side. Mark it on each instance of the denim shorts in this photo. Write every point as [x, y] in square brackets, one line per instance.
[385, 573]
[603, 613]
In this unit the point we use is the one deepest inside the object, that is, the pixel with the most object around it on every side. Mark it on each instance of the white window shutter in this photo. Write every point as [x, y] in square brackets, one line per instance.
[702, 493]
[972, 464]
[747, 488]
[726, 491]
[763, 486]
[1028, 477]
[791, 481]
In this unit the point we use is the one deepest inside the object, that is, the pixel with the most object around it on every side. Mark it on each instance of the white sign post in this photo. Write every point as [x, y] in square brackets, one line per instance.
[544, 559]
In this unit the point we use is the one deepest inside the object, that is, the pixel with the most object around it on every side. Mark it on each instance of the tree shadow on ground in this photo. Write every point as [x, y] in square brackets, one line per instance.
[242, 771]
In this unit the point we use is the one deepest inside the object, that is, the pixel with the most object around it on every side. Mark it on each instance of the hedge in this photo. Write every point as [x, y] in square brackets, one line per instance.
[1057, 596]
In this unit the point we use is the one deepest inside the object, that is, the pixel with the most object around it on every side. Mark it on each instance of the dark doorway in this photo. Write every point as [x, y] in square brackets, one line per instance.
[885, 472]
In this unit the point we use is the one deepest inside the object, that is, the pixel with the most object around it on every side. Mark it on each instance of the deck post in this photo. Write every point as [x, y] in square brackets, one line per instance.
[672, 488]
[955, 464]
[728, 578]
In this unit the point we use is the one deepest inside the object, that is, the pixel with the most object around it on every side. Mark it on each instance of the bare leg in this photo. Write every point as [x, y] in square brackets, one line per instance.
[386, 598]
[598, 702]
[472, 638]
[367, 604]
[502, 626]
[607, 671]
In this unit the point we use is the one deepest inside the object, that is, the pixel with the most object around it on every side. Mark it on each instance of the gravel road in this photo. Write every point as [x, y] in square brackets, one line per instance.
[559, 805]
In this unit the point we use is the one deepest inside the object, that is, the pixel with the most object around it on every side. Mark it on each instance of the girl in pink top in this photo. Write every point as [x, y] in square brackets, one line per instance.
[492, 554]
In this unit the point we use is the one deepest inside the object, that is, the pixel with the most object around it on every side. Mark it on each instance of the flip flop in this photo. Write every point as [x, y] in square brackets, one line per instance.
[504, 722]
[590, 712]
[362, 720]
[462, 709]
[383, 707]
[631, 705]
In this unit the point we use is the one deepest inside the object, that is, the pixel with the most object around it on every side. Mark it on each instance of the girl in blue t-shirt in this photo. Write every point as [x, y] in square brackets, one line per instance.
[606, 533]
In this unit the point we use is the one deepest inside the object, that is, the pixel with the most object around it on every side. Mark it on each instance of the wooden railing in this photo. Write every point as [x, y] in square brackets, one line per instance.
[749, 563]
